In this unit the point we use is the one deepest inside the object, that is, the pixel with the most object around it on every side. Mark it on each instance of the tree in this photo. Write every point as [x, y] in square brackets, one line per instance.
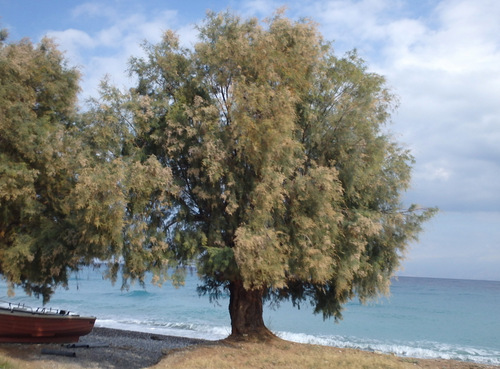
[68, 191]
[259, 155]
[289, 185]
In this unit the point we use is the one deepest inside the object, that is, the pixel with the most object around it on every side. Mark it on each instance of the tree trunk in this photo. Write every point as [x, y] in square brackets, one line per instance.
[245, 309]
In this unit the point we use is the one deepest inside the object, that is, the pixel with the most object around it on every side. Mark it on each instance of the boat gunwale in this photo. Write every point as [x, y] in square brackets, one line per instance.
[43, 315]
[22, 309]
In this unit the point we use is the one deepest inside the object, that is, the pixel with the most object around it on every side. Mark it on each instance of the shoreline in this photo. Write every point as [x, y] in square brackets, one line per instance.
[115, 348]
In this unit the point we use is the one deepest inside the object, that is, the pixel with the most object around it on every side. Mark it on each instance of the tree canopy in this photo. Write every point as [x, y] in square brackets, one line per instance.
[258, 154]
[68, 191]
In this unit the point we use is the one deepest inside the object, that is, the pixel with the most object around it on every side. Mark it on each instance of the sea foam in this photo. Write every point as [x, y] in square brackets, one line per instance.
[414, 349]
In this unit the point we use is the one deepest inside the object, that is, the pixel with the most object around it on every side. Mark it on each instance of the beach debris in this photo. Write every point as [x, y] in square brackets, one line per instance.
[58, 352]
[157, 338]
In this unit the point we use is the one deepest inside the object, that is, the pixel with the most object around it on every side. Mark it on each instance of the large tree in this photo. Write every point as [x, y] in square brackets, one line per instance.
[72, 187]
[289, 183]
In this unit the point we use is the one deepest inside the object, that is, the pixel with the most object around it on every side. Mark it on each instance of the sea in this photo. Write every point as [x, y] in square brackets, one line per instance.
[422, 317]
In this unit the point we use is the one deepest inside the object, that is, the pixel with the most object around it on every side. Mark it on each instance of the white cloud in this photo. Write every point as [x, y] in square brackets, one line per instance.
[110, 37]
[440, 174]
[93, 9]
[74, 42]
[188, 35]
[260, 7]
[107, 49]
[465, 40]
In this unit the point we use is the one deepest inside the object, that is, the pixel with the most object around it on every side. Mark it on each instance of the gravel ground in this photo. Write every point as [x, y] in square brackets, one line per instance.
[105, 348]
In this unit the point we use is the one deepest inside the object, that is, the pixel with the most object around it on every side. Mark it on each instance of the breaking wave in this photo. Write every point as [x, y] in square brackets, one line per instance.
[414, 349]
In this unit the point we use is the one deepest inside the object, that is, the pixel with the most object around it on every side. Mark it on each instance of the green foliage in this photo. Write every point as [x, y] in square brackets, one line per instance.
[4, 34]
[287, 180]
[72, 186]
[37, 96]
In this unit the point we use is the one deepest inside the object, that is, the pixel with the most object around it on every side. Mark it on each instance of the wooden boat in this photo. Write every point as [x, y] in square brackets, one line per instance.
[19, 323]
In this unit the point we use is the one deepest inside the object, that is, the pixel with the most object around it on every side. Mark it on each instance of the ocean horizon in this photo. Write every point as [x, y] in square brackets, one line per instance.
[422, 318]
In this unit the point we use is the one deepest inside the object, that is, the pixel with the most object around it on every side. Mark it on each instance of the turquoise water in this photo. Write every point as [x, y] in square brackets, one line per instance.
[423, 317]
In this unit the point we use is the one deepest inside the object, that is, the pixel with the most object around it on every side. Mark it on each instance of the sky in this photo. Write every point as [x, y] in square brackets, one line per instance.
[441, 58]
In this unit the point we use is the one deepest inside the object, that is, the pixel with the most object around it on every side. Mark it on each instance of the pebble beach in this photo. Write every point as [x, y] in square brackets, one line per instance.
[105, 348]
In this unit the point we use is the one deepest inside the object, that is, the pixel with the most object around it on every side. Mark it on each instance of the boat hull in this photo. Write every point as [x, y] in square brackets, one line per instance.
[26, 327]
